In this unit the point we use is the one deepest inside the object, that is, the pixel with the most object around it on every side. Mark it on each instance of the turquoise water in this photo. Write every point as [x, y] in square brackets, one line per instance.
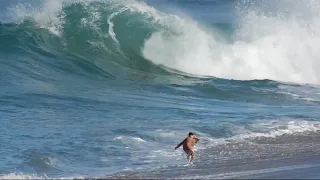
[90, 88]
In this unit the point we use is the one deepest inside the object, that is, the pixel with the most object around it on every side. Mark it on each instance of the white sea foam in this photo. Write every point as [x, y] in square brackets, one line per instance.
[167, 134]
[50, 16]
[268, 129]
[138, 139]
[260, 129]
[278, 128]
[111, 32]
[20, 176]
[32, 176]
[265, 47]
[129, 139]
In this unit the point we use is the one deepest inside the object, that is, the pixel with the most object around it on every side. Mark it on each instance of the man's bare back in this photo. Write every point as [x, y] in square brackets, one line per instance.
[188, 145]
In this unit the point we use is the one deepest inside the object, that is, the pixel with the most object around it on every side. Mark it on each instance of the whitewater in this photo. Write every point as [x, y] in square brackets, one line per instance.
[108, 88]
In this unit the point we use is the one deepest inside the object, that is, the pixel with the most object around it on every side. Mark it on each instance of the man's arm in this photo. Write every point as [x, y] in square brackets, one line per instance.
[179, 144]
[196, 138]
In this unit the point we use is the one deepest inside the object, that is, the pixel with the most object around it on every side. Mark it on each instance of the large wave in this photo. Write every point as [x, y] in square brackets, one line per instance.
[272, 40]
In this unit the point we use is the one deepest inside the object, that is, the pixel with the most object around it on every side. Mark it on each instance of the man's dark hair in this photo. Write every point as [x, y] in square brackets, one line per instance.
[190, 134]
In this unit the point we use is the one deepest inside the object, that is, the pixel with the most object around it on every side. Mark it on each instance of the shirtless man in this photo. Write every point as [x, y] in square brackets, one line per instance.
[188, 144]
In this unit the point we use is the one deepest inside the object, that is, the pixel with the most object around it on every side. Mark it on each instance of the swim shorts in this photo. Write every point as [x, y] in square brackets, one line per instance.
[191, 152]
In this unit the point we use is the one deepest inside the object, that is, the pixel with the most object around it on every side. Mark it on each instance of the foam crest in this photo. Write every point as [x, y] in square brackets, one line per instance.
[111, 32]
[50, 16]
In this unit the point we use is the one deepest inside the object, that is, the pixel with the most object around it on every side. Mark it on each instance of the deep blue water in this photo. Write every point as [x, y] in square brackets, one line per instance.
[95, 87]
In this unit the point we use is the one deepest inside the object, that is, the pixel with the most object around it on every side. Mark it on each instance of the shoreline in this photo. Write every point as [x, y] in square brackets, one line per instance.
[306, 167]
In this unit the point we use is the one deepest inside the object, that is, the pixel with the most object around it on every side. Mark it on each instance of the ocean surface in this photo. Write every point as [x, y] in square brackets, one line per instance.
[108, 88]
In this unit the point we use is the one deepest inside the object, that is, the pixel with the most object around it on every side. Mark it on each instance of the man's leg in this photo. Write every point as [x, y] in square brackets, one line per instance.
[188, 157]
[192, 156]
